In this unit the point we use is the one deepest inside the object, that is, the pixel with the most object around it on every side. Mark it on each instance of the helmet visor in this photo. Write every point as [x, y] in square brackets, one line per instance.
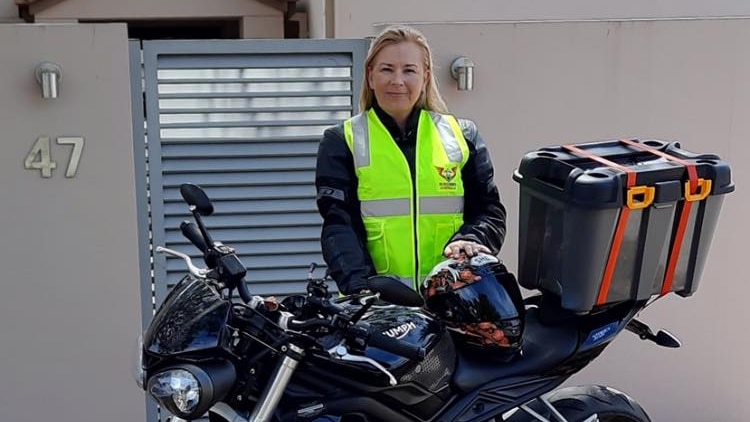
[485, 299]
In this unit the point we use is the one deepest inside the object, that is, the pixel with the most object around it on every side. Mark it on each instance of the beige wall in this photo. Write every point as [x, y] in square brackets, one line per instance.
[536, 84]
[543, 84]
[262, 27]
[147, 9]
[69, 295]
[354, 18]
[8, 11]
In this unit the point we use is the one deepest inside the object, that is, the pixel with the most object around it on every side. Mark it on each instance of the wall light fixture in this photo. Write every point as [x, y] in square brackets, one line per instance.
[462, 70]
[49, 76]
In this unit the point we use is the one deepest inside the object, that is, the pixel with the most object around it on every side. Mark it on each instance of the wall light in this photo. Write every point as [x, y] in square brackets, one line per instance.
[462, 70]
[49, 76]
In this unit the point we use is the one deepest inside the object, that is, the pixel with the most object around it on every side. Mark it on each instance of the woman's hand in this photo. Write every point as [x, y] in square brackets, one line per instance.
[453, 249]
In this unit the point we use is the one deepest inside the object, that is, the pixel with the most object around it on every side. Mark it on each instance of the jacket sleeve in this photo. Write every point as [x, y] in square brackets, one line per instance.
[343, 238]
[484, 213]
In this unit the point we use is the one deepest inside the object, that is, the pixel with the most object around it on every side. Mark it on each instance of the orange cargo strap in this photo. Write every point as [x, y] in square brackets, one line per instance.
[696, 189]
[622, 222]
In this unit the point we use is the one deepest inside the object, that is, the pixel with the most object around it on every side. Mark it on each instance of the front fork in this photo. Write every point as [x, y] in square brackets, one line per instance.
[271, 396]
[275, 389]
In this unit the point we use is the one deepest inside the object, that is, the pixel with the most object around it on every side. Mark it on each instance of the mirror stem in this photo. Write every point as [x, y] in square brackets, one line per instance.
[204, 232]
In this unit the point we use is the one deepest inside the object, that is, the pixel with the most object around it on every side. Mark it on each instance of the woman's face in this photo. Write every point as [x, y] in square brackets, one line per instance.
[397, 77]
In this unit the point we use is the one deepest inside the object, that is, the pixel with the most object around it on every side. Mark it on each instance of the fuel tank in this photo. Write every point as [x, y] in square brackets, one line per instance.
[413, 326]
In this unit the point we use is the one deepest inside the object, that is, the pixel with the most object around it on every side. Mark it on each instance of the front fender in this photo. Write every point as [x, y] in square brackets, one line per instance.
[222, 412]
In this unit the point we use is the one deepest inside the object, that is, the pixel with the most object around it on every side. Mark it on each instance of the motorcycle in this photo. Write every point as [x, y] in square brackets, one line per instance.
[375, 356]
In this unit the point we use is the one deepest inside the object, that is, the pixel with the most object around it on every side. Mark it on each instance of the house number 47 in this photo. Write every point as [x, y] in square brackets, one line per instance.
[40, 157]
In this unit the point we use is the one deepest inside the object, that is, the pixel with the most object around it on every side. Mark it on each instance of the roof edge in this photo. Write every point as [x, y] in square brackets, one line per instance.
[39, 5]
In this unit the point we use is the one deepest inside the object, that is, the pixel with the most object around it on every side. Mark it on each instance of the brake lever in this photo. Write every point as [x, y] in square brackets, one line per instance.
[342, 353]
[198, 272]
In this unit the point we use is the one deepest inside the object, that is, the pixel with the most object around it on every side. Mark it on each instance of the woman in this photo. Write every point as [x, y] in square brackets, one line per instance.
[402, 185]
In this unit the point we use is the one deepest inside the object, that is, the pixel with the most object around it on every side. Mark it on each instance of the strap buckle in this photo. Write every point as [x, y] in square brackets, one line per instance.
[640, 197]
[703, 189]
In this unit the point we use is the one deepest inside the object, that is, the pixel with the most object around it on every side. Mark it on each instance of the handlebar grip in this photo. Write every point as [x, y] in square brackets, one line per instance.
[191, 232]
[244, 291]
[396, 346]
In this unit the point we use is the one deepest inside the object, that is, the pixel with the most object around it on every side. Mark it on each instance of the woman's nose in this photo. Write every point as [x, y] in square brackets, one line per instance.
[397, 79]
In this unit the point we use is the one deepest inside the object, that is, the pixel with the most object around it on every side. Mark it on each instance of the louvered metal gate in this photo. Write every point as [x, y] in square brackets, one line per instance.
[242, 119]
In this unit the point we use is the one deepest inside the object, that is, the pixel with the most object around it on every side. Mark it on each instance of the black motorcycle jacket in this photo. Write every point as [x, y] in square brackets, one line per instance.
[344, 239]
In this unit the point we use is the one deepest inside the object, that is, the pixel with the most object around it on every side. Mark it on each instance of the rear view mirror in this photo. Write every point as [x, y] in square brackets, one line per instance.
[196, 197]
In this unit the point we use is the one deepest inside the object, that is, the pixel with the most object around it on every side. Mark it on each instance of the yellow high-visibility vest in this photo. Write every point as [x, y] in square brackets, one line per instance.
[408, 223]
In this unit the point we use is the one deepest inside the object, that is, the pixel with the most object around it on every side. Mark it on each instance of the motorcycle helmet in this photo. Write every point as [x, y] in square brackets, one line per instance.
[479, 301]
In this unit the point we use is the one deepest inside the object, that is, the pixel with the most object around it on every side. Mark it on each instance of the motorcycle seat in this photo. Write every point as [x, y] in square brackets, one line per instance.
[544, 347]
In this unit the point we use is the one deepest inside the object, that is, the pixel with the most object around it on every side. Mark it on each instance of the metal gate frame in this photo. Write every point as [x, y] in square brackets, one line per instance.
[144, 87]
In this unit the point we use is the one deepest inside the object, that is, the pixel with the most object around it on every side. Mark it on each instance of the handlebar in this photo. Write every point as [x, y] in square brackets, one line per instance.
[396, 346]
[375, 339]
[203, 273]
[244, 292]
[309, 324]
[358, 332]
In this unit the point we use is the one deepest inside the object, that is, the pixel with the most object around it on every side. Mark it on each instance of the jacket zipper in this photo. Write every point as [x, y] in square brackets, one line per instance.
[415, 214]
[414, 204]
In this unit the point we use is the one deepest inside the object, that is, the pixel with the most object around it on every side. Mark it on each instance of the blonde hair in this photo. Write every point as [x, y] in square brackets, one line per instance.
[430, 98]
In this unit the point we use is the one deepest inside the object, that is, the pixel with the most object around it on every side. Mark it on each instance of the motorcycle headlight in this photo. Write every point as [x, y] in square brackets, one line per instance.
[188, 391]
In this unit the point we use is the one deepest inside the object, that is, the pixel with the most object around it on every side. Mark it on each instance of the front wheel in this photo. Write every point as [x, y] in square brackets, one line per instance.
[592, 403]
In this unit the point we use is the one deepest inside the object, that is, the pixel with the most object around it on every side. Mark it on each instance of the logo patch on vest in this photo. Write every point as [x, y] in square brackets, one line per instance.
[448, 173]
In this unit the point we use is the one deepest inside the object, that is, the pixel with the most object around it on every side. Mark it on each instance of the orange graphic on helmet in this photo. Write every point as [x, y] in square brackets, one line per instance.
[446, 280]
[487, 333]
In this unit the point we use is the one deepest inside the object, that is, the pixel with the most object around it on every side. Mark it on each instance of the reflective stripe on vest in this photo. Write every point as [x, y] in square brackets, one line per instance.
[396, 224]
[431, 205]
[361, 152]
[450, 143]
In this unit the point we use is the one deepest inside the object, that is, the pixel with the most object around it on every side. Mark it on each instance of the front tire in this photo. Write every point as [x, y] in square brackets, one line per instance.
[592, 403]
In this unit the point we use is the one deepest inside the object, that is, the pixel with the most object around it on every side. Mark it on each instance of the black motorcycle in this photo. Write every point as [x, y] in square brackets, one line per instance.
[376, 356]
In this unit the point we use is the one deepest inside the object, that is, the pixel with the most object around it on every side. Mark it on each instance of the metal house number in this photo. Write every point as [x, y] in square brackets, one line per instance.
[40, 157]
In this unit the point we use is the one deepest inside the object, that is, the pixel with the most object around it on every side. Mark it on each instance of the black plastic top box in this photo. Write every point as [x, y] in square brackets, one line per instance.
[619, 220]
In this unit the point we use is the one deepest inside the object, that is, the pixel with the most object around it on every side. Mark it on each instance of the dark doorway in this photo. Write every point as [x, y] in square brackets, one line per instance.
[179, 29]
